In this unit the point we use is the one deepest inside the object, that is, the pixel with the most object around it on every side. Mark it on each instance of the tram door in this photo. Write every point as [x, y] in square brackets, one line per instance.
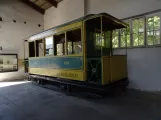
[93, 36]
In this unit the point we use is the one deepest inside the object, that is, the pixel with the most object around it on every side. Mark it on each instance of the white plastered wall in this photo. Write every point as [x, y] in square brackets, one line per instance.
[66, 11]
[12, 34]
[123, 8]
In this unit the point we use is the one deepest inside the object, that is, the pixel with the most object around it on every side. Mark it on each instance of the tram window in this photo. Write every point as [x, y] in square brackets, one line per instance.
[31, 49]
[102, 40]
[74, 42]
[49, 45]
[59, 44]
[39, 48]
[99, 36]
[94, 38]
[115, 39]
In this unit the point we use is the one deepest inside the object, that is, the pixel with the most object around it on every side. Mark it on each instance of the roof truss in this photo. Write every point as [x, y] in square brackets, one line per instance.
[41, 5]
[34, 6]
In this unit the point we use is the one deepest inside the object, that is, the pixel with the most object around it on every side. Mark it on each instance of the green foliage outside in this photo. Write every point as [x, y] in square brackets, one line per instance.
[138, 33]
[153, 30]
[100, 41]
[115, 39]
[125, 36]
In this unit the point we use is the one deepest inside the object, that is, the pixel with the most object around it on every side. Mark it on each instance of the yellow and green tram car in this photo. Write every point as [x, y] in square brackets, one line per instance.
[78, 53]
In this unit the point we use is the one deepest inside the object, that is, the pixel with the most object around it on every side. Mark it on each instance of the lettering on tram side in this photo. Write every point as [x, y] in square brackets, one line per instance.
[66, 62]
[68, 75]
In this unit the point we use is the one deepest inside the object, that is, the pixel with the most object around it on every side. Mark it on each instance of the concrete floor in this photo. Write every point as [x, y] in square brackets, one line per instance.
[29, 102]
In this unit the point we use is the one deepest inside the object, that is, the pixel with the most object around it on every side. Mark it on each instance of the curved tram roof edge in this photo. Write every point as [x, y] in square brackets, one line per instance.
[50, 31]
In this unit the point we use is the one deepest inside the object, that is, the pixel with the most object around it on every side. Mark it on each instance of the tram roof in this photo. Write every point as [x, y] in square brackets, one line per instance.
[84, 18]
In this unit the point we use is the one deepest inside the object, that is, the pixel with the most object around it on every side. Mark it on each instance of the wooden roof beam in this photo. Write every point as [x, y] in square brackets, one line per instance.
[34, 6]
[53, 2]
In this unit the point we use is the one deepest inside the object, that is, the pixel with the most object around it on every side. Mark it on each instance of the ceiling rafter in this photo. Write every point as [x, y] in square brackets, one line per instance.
[34, 6]
[41, 5]
[53, 2]
[35, 1]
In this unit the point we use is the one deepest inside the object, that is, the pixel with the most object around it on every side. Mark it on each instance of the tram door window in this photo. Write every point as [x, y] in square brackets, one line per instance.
[93, 36]
[99, 37]
[74, 43]
[59, 44]
[39, 48]
[49, 45]
[31, 49]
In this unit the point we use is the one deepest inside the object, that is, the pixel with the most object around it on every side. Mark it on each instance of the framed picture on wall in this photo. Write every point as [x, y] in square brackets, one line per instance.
[8, 62]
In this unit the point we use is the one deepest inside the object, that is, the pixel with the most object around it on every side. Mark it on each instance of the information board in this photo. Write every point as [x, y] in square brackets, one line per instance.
[8, 62]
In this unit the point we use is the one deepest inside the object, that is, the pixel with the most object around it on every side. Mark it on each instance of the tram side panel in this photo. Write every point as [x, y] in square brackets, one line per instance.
[119, 67]
[62, 67]
[114, 68]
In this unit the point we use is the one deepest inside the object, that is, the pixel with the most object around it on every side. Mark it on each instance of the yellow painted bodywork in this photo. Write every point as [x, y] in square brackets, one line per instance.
[67, 74]
[114, 68]
[84, 50]
[106, 73]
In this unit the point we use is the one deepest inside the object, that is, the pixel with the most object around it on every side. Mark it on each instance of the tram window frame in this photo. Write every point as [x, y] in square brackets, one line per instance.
[31, 49]
[51, 45]
[62, 41]
[73, 41]
[37, 48]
